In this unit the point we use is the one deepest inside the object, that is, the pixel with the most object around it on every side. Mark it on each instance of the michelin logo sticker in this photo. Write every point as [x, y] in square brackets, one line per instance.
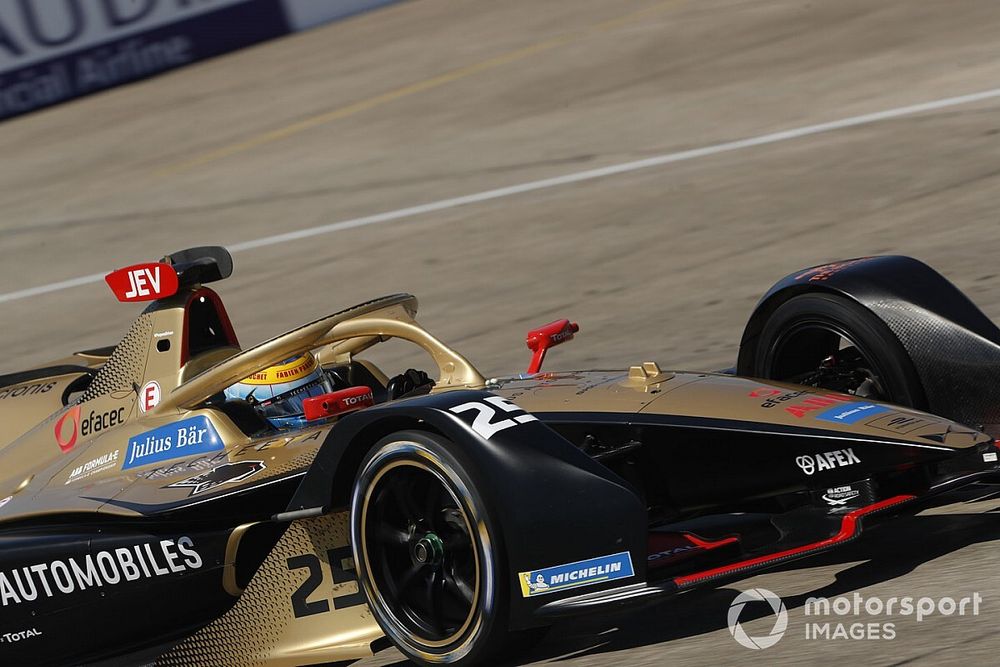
[173, 441]
[851, 413]
[572, 575]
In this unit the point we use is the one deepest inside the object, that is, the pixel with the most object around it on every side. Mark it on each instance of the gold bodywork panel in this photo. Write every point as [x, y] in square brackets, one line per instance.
[298, 609]
[716, 396]
[25, 404]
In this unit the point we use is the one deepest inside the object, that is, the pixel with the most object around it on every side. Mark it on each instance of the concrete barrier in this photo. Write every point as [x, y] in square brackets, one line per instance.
[56, 50]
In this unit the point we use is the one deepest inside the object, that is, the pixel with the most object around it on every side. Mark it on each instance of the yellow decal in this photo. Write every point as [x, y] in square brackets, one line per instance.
[296, 369]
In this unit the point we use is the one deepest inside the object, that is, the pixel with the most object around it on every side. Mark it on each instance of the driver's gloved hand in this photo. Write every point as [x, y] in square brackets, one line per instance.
[409, 382]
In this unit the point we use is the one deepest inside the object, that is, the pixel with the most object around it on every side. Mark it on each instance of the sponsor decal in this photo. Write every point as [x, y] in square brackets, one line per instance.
[26, 390]
[897, 423]
[52, 50]
[801, 409]
[840, 495]
[827, 460]
[827, 271]
[143, 282]
[216, 477]
[163, 334]
[337, 403]
[759, 642]
[95, 422]
[851, 413]
[292, 370]
[149, 395]
[67, 440]
[573, 575]
[485, 410]
[669, 553]
[94, 466]
[86, 425]
[12, 637]
[773, 397]
[184, 438]
[4, 501]
[188, 466]
[284, 441]
[104, 568]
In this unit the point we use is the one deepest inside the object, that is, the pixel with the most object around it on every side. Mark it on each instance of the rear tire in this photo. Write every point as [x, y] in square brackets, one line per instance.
[428, 553]
[807, 328]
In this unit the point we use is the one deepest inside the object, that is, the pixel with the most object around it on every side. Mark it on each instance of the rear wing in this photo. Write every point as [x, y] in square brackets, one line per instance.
[153, 281]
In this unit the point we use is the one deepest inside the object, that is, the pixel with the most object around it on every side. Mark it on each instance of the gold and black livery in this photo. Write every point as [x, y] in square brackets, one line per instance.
[145, 518]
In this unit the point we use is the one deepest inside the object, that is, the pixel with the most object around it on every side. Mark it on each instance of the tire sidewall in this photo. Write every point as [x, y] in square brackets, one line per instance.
[487, 626]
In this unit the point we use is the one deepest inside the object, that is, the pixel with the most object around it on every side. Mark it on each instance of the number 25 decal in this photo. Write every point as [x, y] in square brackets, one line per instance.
[483, 423]
[300, 607]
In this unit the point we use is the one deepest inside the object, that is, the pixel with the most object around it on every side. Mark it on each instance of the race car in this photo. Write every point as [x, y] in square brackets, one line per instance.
[179, 500]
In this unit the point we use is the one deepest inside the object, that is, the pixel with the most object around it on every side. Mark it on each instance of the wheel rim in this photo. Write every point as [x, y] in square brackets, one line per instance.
[821, 354]
[420, 552]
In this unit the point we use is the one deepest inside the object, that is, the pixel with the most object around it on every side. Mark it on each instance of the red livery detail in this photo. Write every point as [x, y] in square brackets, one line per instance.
[143, 282]
[669, 548]
[66, 441]
[848, 530]
[337, 402]
[541, 339]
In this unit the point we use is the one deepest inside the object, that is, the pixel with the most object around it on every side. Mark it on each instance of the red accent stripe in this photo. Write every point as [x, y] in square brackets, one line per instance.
[848, 529]
[709, 544]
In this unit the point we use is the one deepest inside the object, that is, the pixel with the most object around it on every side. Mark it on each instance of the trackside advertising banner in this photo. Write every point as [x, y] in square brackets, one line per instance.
[54, 50]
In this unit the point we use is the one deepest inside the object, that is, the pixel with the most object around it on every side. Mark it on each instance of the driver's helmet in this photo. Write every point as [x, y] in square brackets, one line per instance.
[277, 392]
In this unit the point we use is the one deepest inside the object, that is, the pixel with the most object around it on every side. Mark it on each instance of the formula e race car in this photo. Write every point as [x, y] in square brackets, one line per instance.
[149, 516]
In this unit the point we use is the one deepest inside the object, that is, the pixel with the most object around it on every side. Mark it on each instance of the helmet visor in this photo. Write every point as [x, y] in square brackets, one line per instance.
[289, 403]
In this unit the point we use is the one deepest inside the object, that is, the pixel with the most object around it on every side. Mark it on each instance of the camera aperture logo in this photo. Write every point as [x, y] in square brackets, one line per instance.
[780, 623]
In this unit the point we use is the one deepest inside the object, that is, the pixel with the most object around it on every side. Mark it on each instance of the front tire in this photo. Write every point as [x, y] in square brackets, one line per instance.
[428, 552]
[800, 338]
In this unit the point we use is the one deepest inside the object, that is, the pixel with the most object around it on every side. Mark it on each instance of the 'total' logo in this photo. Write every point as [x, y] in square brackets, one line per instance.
[143, 282]
[67, 428]
[149, 396]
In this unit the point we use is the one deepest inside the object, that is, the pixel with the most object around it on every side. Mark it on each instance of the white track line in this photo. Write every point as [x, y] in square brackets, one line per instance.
[567, 179]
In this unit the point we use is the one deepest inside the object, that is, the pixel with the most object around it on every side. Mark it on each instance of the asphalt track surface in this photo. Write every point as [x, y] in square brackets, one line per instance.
[433, 100]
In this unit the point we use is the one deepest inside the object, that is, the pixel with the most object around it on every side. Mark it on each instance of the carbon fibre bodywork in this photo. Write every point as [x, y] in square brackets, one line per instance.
[132, 490]
[955, 348]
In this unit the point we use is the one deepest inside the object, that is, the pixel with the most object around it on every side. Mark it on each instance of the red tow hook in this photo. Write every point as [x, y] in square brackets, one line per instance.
[337, 403]
[541, 339]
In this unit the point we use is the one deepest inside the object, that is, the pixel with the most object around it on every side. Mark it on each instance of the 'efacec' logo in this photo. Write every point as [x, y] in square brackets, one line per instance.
[780, 624]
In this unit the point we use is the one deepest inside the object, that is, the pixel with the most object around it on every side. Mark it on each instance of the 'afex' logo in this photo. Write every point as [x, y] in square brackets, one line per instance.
[827, 460]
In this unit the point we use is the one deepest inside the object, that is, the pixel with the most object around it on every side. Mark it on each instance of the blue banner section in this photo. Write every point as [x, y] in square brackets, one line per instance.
[572, 575]
[139, 55]
[173, 441]
[851, 413]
